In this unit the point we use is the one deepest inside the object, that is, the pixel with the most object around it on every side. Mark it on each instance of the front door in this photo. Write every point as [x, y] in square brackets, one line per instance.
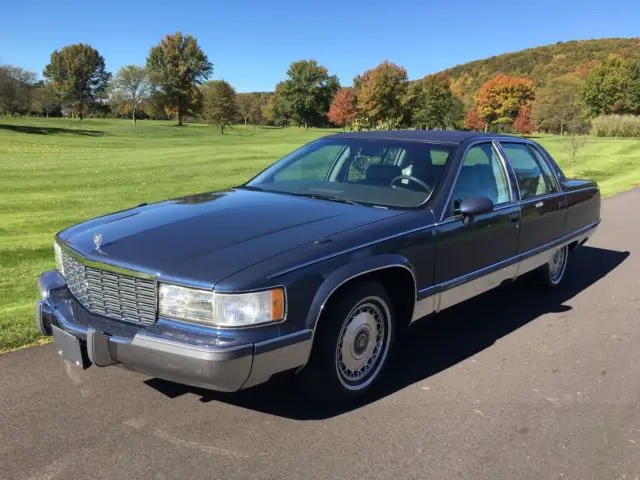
[474, 258]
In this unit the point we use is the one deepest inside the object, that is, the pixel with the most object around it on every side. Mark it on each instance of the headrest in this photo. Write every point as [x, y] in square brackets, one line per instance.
[378, 171]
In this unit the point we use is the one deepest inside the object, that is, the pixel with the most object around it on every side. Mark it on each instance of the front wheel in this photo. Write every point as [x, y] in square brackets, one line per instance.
[352, 344]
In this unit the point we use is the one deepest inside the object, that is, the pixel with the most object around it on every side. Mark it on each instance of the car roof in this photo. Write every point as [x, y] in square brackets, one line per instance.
[453, 137]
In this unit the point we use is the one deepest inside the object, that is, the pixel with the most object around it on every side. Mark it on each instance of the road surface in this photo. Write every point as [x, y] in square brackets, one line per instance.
[513, 385]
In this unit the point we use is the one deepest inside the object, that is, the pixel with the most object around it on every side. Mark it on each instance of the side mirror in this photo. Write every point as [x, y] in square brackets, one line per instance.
[473, 206]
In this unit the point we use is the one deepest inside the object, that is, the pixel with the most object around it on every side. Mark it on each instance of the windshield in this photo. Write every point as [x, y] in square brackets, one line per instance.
[376, 172]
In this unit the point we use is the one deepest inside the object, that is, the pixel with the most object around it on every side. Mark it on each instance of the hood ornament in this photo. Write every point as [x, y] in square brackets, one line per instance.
[97, 239]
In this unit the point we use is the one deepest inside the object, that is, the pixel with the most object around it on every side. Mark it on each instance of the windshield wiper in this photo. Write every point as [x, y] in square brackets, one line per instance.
[329, 198]
[249, 187]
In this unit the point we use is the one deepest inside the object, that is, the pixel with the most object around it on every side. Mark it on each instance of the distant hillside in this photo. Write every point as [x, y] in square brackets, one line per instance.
[542, 64]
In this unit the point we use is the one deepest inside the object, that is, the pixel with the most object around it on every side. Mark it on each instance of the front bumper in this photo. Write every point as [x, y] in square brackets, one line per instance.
[174, 352]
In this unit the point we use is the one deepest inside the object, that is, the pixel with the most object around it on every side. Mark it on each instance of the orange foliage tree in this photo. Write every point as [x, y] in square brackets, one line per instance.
[380, 92]
[523, 123]
[343, 108]
[473, 120]
[500, 99]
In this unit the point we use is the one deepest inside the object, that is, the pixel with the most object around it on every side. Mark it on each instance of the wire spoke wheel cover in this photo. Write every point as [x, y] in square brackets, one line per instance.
[558, 265]
[363, 343]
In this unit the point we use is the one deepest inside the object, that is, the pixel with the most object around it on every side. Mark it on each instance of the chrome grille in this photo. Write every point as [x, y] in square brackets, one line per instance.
[111, 294]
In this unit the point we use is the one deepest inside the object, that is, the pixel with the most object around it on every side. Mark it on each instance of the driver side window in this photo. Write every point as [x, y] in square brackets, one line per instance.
[481, 175]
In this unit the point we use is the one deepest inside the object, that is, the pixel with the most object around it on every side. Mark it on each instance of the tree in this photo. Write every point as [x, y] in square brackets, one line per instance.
[380, 92]
[343, 108]
[178, 65]
[499, 99]
[277, 109]
[556, 108]
[633, 89]
[249, 106]
[132, 87]
[473, 120]
[78, 74]
[574, 145]
[605, 89]
[523, 123]
[45, 99]
[219, 104]
[15, 89]
[309, 90]
[433, 102]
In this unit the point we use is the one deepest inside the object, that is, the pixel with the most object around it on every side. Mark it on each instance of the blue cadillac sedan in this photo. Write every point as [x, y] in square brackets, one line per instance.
[315, 265]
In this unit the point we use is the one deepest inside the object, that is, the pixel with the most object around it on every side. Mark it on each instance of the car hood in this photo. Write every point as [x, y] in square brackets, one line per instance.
[204, 238]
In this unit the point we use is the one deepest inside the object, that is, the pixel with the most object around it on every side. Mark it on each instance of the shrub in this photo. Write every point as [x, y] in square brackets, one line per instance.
[616, 126]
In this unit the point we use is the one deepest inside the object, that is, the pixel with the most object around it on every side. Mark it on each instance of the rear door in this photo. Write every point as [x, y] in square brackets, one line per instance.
[542, 202]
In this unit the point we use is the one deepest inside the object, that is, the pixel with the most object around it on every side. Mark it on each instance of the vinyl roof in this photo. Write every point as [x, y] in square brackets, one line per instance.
[442, 136]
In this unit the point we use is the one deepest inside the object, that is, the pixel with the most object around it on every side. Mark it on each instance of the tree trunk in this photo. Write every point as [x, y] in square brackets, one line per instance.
[179, 114]
[486, 127]
[134, 117]
[245, 122]
[222, 129]
[306, 125]
[561, 128]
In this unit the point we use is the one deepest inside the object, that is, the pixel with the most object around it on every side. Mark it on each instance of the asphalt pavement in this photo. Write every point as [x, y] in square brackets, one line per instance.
[516, 384]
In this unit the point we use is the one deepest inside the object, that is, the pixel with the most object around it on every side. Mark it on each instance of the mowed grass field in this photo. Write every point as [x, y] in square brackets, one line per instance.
[58, 172]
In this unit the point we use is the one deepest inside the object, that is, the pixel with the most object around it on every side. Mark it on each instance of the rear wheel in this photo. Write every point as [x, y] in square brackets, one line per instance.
[352, 344]
[553, 272]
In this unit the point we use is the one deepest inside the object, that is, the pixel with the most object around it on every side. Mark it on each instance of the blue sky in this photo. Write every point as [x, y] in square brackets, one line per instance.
[251, 44]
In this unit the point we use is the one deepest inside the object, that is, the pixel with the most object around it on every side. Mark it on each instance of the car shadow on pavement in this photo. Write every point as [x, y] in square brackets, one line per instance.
[433, 344]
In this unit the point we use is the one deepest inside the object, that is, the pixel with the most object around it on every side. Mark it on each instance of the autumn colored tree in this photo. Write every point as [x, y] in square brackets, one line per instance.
[77, 72]
[131, 86]
[343, 107]
[605, 89]
[219, 104]
[177, 65]
[500, 99]
[523, 123]
[380, 92]
[308, 91]
[474, 121]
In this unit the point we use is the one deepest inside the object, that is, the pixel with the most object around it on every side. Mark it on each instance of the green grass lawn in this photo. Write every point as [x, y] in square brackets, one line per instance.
[55, 173]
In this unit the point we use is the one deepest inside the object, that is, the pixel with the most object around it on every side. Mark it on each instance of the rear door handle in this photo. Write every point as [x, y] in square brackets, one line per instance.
[514, 216]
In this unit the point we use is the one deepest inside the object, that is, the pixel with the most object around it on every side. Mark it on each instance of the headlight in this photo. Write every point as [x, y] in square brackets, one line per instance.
[221, 309]
[58, 254]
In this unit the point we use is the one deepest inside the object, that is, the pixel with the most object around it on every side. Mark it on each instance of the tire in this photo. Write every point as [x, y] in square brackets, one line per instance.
[345, 361]
[552, 274]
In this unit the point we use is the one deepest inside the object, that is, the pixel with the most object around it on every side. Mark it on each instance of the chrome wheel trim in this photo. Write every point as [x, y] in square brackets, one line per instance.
[558, 265]
[363, 343]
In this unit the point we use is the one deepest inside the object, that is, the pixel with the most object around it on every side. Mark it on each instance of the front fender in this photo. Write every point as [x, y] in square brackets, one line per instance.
[349, 272]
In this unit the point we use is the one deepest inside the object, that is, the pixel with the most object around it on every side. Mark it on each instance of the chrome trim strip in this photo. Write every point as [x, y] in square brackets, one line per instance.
[268, 362]
[359, 274]
[507, 169]
[505, 263]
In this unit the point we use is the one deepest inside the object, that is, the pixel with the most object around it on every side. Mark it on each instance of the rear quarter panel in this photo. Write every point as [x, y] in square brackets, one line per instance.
[583, 204]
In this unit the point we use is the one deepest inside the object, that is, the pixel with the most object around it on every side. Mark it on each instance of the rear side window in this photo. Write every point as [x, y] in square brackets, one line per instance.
[532, 172]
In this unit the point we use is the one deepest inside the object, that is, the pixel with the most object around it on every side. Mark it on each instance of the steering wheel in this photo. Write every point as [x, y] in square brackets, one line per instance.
[414, 179]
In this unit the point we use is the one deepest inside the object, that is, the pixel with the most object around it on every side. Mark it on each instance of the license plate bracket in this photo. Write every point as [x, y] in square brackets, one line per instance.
[70, 347]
